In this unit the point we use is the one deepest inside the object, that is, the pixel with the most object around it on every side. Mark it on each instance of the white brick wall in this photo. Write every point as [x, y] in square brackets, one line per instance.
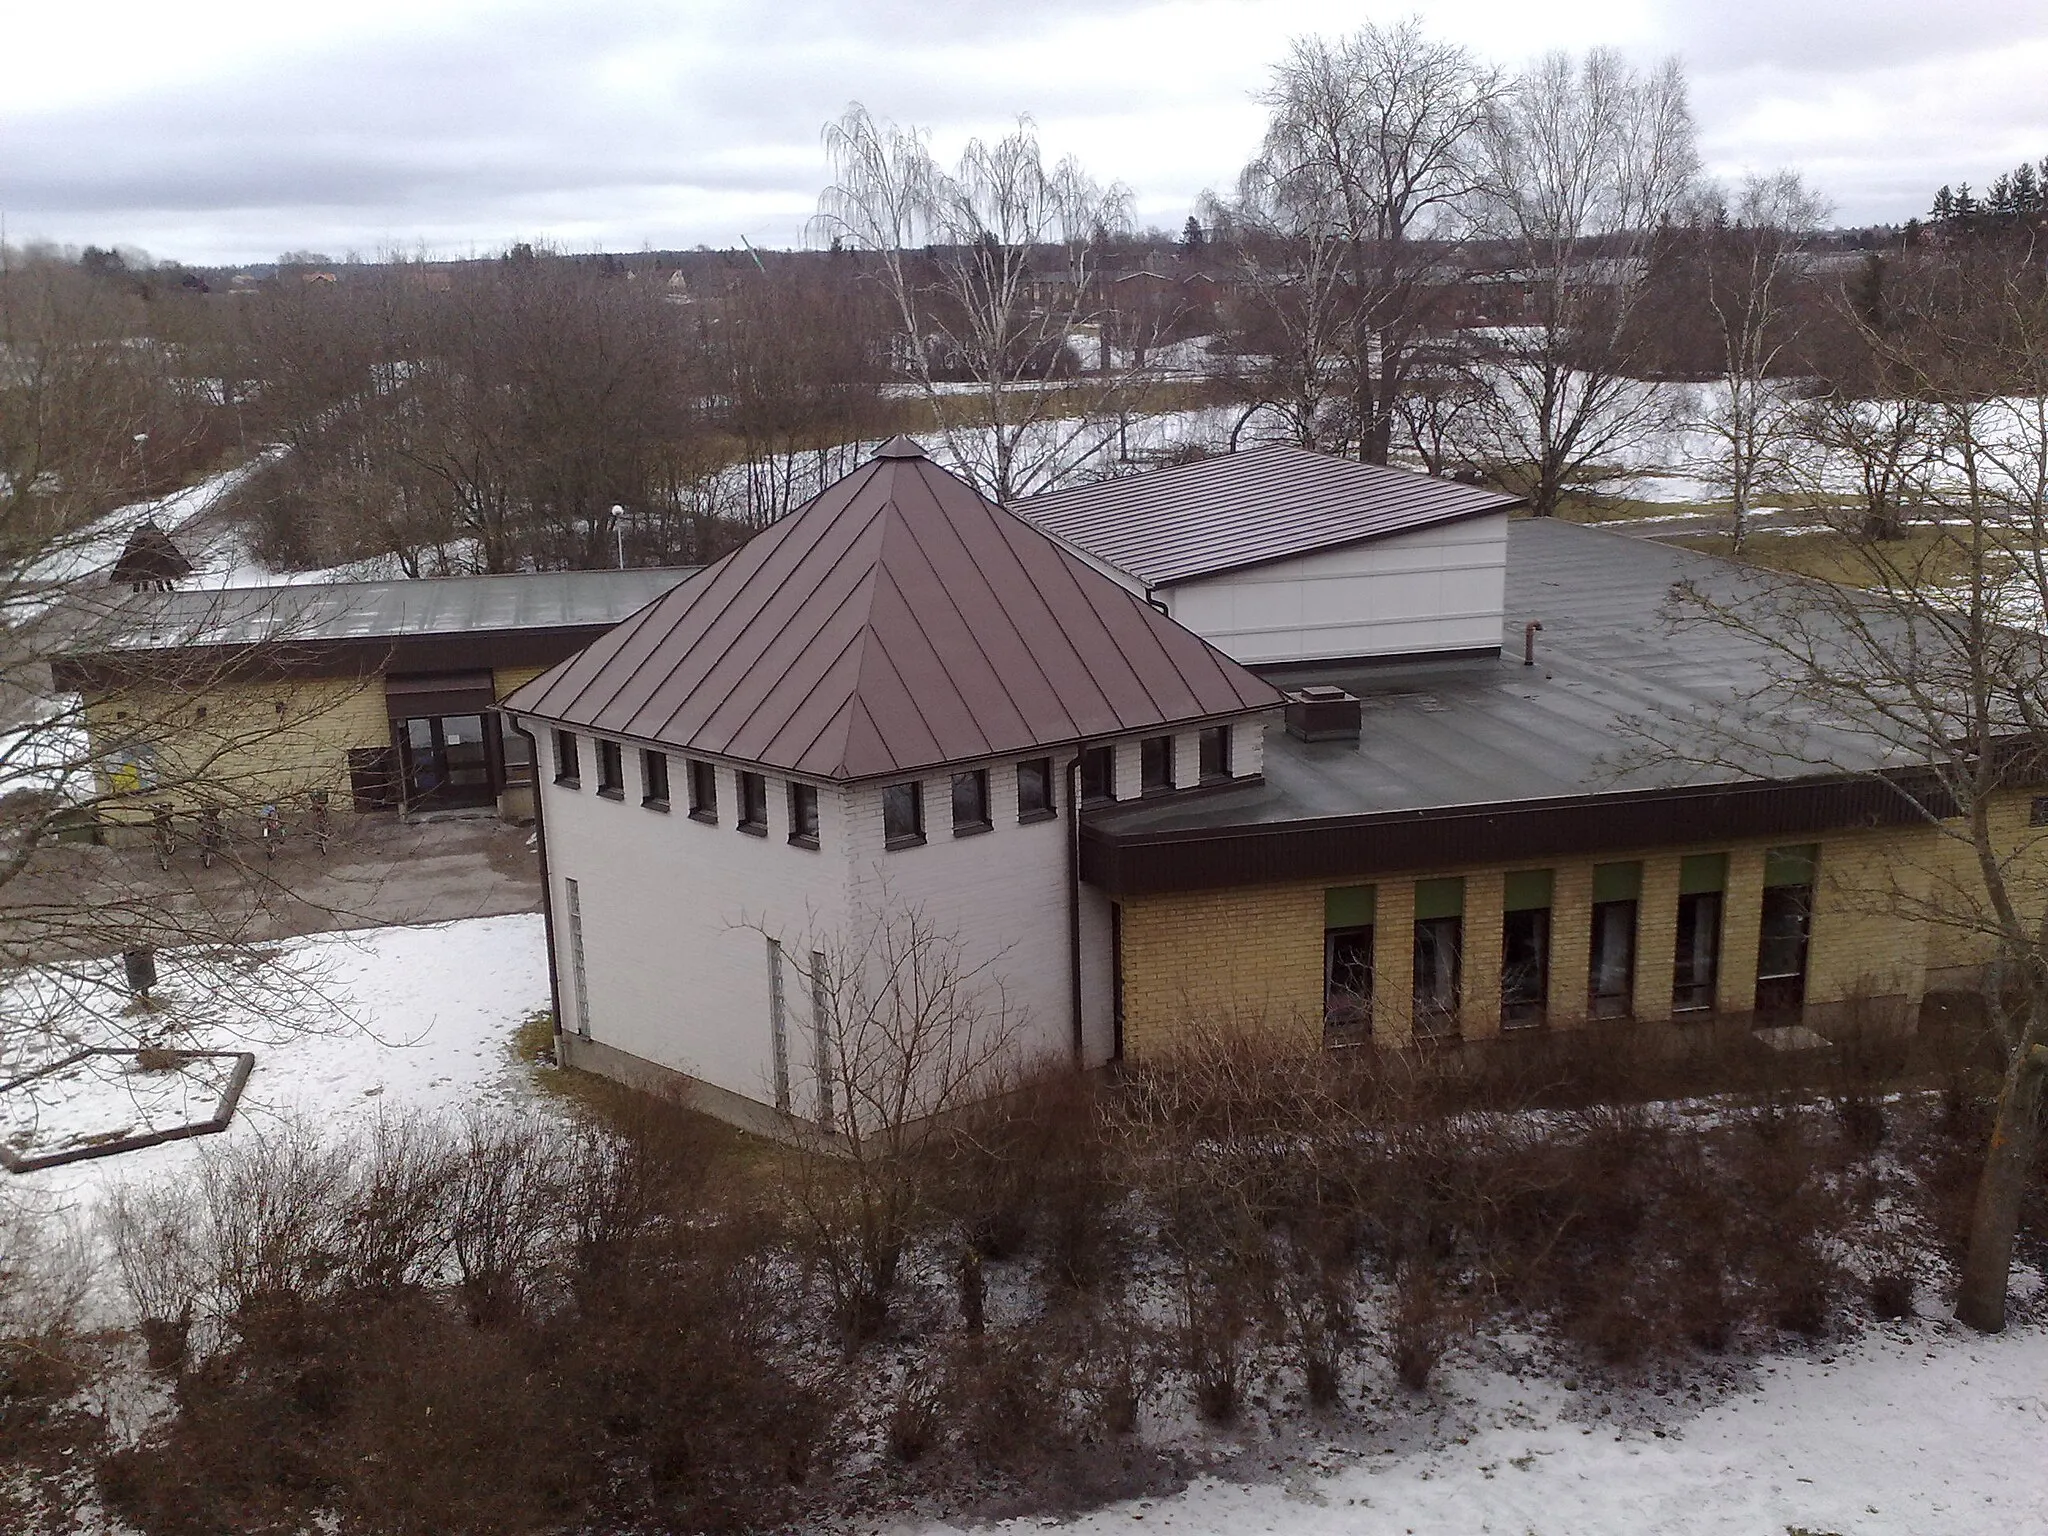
[675, 912]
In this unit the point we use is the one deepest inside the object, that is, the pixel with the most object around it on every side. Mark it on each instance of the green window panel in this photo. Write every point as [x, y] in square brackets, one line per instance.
[1350, 906]
[1527, 890]
[1699, 873]
[1618, 882]
[1440, 898]
[1791, 866]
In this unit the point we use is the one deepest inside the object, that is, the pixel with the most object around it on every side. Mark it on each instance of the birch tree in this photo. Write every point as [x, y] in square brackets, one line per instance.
[1935, 662]
[1750, 272]
[1584, 160]
[992, 270]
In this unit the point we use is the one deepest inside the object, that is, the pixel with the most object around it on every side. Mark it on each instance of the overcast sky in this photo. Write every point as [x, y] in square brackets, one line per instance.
[237, 129]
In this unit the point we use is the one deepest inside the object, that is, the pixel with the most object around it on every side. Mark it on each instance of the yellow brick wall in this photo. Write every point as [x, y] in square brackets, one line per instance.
[1240, 959]
[1656, 936]
[1479, 967]
[1571, 944]
[255, 742]
[1741, 929]
[505, 679]
[1215, 957]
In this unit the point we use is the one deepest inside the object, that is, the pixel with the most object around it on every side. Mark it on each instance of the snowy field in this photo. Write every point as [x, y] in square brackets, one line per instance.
[1920, 1429]
[394, 1019]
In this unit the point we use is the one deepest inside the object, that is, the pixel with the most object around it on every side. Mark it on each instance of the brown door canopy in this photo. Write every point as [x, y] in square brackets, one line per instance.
[444, 693]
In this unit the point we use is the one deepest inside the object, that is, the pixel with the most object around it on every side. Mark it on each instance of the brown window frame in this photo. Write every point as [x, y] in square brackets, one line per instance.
[703, 791]
[568, 762]
[975, 781]
[1098, 763]
[753, 797]
[1050, 808]
[803, 815]
[654, 779]
[1155, 753]
[914, 836]
[611, 770]
[1216, 765]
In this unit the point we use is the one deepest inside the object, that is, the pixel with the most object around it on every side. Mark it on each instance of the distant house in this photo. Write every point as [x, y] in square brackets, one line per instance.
[150, 561]
[386, 690]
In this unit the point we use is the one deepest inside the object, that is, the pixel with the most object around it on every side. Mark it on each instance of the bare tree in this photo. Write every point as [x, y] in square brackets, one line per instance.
[905, 1029]
[1584, 161]
[992, 271]
[1934, 664]
[83, 750]
[1372, 148]
[1749, 271]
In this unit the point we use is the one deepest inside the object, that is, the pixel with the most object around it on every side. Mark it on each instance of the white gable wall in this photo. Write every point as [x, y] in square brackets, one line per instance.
[676, 914]
[1435, 589]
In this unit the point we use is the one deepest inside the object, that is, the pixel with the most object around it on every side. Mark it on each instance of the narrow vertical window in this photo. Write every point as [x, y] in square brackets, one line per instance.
[1525, 948]
[1612, 984]
[970, 802]
[1155, 765]
[1696, 956]
[903, 815]
[703, 792]
[753, 804]
[611, 771]
[778, 1026]
[1215, 754]
[1348, 928]
[1439, 954]
[1786, 931]
[1034, 790]
[1098, 775]
[567, 771]
[573, 900]
[821, 1036]
[803, 814]
[654, 780]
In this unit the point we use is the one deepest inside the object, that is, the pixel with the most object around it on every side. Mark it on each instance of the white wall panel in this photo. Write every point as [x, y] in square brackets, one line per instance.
[1436, 589]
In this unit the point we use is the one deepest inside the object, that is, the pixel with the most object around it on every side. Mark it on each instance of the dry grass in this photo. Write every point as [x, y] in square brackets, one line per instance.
[1833, 556]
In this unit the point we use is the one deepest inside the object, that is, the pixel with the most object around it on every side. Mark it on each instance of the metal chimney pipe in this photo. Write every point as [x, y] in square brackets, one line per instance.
[1529, 633]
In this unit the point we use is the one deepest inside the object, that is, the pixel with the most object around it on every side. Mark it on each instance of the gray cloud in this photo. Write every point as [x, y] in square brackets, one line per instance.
[630, 122]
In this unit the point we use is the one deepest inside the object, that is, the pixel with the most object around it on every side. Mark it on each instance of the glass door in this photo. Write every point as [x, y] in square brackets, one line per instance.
[445, 761]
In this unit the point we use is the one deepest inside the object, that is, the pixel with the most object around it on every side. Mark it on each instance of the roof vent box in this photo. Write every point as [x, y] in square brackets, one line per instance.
[1323, 712]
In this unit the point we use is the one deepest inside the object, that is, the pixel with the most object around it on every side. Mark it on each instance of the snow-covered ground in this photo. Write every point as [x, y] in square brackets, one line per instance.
[383, 1019]
[1917, 1429]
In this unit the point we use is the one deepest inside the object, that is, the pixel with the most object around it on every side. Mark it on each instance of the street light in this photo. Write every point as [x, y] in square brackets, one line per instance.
[142, 454]
[619, 527]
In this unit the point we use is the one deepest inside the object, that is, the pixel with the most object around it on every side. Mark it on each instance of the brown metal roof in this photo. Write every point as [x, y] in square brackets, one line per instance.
[896, 622]
[1250, 508]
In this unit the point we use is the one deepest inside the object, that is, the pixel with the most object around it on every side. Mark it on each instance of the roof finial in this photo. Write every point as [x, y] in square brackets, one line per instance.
[901, 447]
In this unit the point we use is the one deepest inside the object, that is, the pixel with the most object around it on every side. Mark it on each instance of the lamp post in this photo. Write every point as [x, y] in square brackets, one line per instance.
[142, 455]
[619, 527]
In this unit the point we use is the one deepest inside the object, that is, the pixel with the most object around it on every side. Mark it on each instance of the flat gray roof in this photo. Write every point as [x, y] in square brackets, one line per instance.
[1479, 732]
[385, 610]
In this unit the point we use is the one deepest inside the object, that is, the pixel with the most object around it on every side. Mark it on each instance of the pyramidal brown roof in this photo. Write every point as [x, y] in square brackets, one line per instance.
[896, 622]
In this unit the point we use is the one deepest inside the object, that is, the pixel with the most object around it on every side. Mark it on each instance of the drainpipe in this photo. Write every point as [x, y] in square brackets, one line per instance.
[1530, 631]
[547, 886]
[1074, 903]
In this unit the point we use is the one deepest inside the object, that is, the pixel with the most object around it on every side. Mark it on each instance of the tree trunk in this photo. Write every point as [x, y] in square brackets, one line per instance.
[1980, 1301]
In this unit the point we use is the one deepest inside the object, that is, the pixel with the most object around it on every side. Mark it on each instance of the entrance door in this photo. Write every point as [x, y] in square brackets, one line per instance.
[446, 761]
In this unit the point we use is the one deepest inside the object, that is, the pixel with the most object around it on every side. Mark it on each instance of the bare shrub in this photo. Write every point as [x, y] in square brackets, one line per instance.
[150, 1227]
[274, 1204]
[1891, 1294]
[504, 1204]
[914, 1426]
[396, 1227]
[1419, 1329]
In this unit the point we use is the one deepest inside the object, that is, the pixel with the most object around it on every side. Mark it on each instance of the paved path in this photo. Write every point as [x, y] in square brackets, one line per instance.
[377, 871]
